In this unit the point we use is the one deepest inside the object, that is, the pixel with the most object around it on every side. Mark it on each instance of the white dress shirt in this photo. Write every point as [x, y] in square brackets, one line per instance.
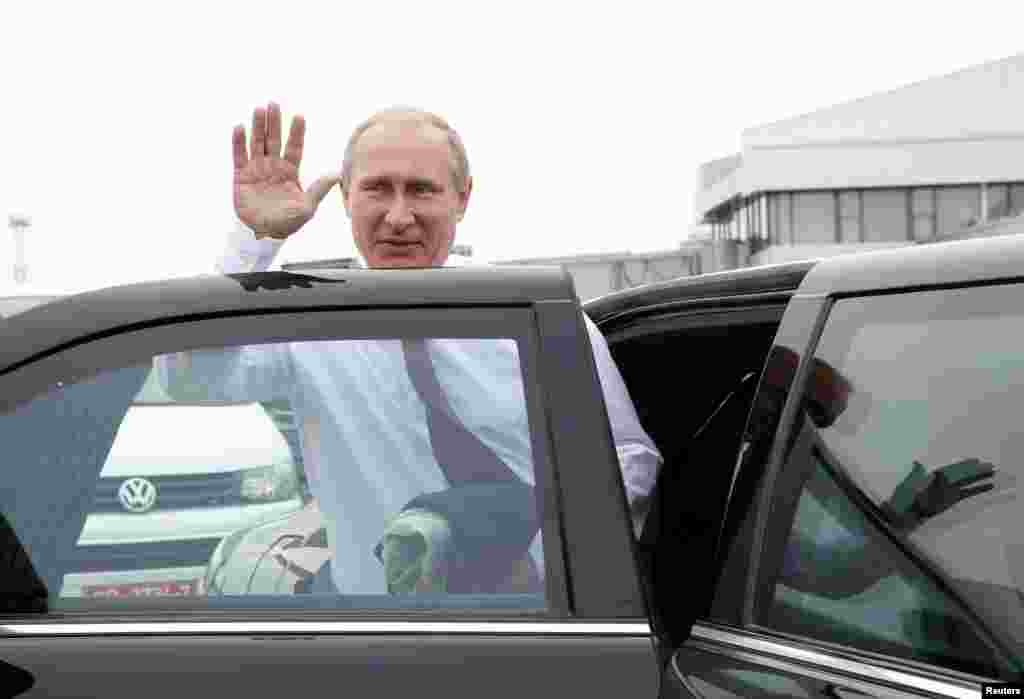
[364, 436]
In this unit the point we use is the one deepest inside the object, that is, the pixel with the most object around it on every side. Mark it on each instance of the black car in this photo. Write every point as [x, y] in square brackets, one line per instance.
[836, 514]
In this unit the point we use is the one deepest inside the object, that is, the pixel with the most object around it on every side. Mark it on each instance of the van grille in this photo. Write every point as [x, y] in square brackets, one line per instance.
[175, 492]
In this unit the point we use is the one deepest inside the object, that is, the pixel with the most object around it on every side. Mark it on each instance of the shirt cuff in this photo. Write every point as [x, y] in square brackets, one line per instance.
[245, 253]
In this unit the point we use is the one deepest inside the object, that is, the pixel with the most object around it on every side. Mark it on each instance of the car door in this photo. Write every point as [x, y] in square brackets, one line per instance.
[871, 543]
[69, 371]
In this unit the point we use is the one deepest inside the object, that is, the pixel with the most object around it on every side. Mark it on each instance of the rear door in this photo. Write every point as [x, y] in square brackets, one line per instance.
[71, 369]
[872, 542]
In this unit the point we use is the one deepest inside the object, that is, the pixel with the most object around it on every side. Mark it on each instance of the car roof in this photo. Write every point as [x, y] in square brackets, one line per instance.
[932, 264]
[747, 281]
[926, 265]
[93, 313]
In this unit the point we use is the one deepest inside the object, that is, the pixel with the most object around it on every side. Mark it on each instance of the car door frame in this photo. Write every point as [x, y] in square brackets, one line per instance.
[595, 602]
[734, 637]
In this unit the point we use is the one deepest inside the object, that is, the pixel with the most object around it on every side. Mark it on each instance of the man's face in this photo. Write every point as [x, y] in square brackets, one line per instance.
[401, 199]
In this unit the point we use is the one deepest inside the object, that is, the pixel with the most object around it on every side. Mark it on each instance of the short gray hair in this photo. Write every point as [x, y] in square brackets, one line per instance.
[411, 115]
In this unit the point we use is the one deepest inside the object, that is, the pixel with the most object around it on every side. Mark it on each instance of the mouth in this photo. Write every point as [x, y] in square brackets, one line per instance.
[390, 247]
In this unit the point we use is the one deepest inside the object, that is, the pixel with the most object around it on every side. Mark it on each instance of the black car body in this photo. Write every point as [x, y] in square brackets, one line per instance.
[747, 383]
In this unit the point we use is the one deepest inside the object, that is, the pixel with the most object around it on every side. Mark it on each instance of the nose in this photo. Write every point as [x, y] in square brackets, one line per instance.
[399, 214]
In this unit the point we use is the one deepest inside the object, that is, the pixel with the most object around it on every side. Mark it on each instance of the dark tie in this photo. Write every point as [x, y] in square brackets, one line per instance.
[492, 512]
[461, 455]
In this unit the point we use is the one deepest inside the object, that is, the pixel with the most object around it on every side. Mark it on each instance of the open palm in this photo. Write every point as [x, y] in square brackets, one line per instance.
[268, 195]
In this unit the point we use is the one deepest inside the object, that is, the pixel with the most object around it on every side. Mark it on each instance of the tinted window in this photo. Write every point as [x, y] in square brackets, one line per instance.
[906, 532]
[266, 471]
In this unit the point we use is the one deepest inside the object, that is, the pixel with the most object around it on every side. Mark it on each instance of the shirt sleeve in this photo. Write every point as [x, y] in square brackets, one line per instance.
[252, 373]
[639, 458]
[245, 253]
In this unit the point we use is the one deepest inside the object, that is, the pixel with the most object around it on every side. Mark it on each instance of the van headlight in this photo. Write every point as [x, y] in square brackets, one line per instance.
[269, 483]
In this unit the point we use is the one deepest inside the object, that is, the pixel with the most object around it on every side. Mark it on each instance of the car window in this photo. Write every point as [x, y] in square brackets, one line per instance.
[905, 535]
[260, 474]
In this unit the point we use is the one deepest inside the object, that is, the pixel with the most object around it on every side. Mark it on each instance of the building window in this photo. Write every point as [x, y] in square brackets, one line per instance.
[850, 217]
[885, 215]
[998, 201]
[781, 210]
[957, 208]
[923, 209]
[814, 217]
[757, 227]
[1016, 199]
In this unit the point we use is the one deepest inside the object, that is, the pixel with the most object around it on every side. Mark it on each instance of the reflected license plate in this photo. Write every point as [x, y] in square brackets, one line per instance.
[178, 588]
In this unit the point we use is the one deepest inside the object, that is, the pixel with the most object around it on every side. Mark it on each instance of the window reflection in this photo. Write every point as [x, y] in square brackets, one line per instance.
[928, 444]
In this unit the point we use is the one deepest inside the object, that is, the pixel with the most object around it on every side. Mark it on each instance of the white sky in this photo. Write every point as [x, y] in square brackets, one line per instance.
[584, 126]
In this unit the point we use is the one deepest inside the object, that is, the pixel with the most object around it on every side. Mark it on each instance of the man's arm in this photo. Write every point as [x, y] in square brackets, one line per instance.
[639, 458]
[270, 205]
[252, 373]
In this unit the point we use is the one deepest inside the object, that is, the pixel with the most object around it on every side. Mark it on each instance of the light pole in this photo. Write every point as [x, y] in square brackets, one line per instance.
[19, 223]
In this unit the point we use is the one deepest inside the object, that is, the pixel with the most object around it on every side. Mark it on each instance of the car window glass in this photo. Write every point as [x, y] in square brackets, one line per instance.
[906, 532]
[843, 582]
[312, 470]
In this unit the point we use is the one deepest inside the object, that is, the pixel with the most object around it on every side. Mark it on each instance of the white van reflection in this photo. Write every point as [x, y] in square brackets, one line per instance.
[178, 479]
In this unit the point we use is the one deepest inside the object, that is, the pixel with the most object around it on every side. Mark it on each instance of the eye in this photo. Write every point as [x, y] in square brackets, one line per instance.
[422, 188]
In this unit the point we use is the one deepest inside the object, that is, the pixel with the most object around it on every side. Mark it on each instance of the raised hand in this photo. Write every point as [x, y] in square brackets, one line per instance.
[268, 196]
[922, 495]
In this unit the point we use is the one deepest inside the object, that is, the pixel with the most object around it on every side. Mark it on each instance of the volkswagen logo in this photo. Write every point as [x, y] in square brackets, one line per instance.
[137, 495]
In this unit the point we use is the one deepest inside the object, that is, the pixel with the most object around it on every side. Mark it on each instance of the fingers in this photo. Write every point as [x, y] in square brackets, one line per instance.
[259, 134]
[296, 141]
[238, 152]
[273, 130]
[319, 189]
[974, 478]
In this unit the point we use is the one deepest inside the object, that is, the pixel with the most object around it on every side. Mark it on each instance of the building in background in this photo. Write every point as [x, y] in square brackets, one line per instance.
[597, 275]
[937, 160]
